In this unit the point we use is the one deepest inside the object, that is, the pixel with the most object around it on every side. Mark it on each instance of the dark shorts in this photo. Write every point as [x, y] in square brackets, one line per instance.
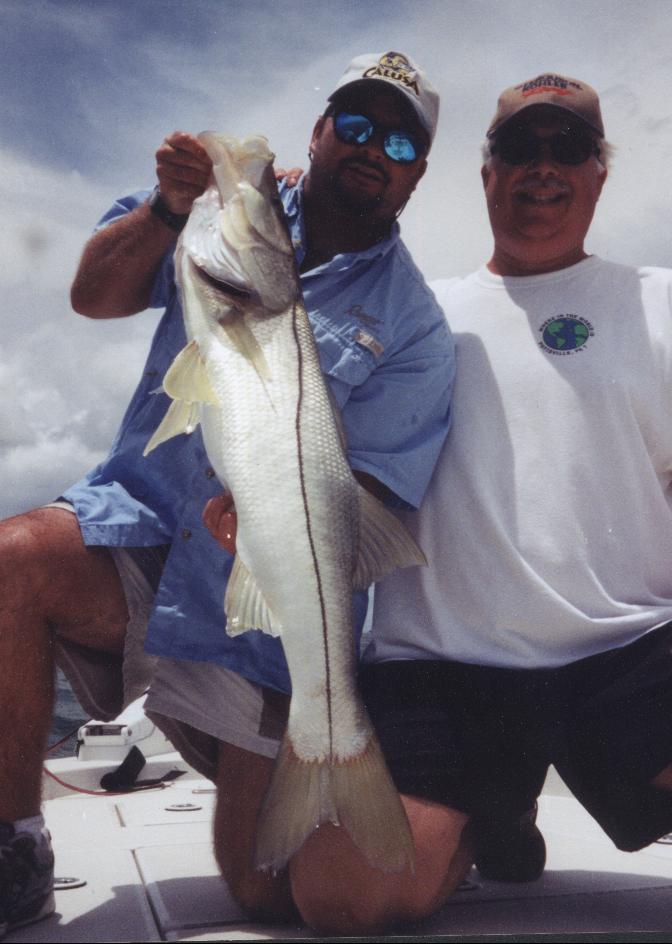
[481, 739]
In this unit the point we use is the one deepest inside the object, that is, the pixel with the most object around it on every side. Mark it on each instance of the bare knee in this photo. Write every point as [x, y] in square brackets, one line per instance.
[34, 550]
[365, 910]
[19, 551]
[53, 581]
[263, 896]
[241, 784]
[329, 911]
[338, 892]
[663, 780]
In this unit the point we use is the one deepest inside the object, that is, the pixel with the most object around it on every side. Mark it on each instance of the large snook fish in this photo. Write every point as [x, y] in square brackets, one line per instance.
[307, 532]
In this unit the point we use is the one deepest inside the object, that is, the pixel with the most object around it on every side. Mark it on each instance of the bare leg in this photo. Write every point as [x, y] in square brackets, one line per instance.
[663, 780]
[49, 582]
[335, 889]
[241, 785]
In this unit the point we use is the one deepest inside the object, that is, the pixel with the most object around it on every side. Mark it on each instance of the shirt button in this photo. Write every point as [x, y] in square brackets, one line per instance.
[186, 534]
[209, 472]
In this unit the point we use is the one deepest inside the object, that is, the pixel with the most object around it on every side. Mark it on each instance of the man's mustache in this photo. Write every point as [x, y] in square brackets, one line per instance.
[364, 162]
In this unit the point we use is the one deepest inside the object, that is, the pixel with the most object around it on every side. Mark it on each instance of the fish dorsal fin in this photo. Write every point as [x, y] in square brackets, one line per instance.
[181, 417]
[187, 379]
[245, 606]
[384, 542]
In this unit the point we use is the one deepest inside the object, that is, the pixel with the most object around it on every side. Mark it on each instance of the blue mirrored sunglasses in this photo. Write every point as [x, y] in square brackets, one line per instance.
[400, 146]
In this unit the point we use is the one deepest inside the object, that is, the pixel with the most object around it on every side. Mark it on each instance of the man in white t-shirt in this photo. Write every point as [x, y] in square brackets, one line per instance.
[541, 630]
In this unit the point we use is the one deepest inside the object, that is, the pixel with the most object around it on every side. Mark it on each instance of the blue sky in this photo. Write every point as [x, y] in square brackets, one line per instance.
[89, 88]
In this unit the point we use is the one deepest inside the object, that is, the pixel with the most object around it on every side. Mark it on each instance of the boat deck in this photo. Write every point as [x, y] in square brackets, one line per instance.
[150, 875]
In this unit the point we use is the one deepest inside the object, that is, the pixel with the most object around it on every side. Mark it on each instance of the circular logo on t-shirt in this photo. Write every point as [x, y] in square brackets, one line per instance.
[565, 334]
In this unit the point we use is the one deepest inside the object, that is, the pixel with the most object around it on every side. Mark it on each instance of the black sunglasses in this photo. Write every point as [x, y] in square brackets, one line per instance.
[400, 146]
[519, 145]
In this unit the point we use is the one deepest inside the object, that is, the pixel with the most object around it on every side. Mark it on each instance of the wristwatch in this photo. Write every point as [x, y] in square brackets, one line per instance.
[159, 208]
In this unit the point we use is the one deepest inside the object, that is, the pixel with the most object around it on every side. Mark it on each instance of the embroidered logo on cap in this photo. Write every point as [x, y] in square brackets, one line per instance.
[549, 83]
[395, 66]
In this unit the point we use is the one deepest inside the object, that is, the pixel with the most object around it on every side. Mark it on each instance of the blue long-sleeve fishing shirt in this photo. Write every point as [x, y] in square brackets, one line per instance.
[387, 356]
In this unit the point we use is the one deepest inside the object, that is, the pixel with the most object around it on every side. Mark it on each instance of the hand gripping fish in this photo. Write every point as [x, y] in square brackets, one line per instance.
[307, 532]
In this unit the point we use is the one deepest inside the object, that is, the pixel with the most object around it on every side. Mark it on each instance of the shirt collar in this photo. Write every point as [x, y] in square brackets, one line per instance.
[292, 201]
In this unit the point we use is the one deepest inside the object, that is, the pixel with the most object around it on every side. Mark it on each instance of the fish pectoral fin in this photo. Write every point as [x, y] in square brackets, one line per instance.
[245, 606]
[384, 543]
[244, 341]
[187, 383]
[181, 417]
[187, 379]
[356, 793]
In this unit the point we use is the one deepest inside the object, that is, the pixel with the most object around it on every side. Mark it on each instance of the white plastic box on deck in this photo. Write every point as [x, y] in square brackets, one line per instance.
[112, 740]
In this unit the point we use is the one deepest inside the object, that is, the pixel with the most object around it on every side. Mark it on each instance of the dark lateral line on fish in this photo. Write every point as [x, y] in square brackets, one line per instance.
[222, 286]
[320, 593]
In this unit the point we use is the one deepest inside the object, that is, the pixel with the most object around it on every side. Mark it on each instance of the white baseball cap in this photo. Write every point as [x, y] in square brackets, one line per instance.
[402, 74]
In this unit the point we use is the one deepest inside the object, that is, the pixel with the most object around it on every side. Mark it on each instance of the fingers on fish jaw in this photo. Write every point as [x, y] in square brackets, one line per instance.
[357, 794]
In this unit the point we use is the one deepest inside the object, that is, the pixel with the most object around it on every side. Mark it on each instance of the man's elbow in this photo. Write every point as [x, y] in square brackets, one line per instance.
[95, 305]
[82, 303]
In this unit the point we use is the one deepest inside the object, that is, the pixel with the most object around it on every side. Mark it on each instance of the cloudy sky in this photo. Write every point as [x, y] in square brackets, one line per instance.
[89, 88]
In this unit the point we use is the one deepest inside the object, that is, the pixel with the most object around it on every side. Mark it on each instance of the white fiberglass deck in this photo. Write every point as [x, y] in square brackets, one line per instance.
[151, 876]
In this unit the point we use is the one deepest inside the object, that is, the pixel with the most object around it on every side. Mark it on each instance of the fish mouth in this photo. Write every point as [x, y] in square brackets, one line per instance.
[221, 286]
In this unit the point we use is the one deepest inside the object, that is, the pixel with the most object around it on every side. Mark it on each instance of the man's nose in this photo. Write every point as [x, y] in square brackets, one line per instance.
[544, 154]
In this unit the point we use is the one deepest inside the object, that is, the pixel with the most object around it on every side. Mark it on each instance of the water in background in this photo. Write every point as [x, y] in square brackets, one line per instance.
[68, 715]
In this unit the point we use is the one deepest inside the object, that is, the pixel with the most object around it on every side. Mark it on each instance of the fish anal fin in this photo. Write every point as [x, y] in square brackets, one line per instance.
[187, 378]
[357, 794]
[384, 543]
[244, 604]
[181, 417]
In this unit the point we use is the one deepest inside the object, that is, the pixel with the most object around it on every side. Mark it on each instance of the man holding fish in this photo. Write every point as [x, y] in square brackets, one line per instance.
[85, 583]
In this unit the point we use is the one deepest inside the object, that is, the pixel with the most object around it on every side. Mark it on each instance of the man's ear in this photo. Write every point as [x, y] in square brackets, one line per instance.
[317, 131]
[422, 167]
[485, 175]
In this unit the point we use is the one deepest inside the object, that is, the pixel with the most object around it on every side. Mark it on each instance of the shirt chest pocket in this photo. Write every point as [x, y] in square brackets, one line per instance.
[348, 357]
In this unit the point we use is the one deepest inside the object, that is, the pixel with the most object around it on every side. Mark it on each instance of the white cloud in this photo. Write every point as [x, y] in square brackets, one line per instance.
[128, 79]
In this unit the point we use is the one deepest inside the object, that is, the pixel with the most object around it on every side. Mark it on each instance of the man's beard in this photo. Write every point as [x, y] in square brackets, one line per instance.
[347, 201]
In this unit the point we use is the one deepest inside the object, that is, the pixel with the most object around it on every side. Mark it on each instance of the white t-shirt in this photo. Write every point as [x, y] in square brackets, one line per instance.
[548, 522]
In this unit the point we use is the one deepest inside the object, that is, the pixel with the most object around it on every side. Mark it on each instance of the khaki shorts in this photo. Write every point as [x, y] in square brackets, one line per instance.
[199, 704]
[195, 704]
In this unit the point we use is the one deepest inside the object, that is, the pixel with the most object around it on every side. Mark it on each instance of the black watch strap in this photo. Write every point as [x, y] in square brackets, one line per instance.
[159, 208]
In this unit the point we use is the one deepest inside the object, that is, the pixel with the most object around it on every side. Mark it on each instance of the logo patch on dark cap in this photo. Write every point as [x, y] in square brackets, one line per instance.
[549, 83]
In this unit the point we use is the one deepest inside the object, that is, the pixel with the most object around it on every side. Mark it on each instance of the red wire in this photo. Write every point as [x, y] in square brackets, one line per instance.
[95, 793]
[71, 786]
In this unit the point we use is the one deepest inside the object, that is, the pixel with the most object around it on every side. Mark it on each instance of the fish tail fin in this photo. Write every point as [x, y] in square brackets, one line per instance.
[357, 793]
